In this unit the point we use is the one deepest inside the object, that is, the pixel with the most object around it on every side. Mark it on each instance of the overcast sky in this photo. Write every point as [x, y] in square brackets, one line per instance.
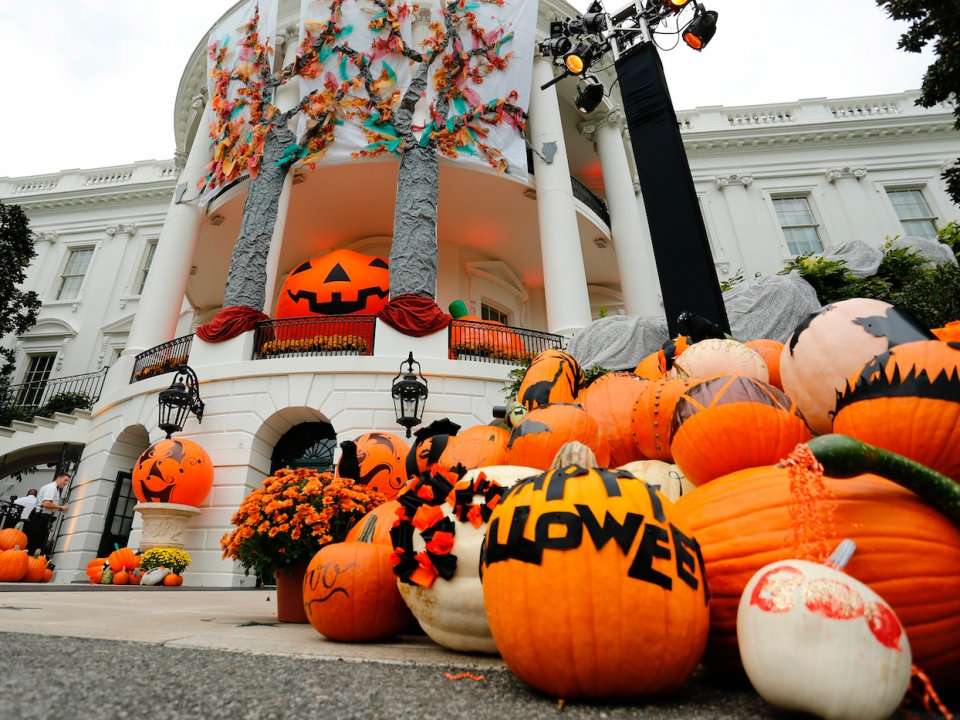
[93, 82]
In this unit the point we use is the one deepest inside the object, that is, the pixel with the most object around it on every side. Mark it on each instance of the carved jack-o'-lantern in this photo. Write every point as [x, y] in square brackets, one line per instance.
[173, 470]
[377, 460]
[343, 282]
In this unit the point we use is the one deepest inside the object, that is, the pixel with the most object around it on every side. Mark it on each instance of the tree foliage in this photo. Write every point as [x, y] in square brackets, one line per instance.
[18, 308]
[935, 22]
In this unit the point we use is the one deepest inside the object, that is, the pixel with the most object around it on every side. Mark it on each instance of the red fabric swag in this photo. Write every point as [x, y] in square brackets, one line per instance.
[414, 315]
[230, 322]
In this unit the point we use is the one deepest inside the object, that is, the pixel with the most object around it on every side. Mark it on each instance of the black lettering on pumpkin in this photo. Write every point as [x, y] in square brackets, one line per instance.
[517, 547]
[571, 538]
[622, 534]
[557, 486]
[686, 561]
[651, 547]
[656, 504]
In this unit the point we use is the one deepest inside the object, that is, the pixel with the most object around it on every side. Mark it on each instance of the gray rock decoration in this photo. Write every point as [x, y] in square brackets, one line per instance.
[618, 342]
[862, 260]
[769, 307]
[933, 251]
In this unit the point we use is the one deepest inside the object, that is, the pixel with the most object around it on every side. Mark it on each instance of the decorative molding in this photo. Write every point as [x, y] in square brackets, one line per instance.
[49, 236]
[120, 229]
[834, 174]
[724, 182]
[614, 118]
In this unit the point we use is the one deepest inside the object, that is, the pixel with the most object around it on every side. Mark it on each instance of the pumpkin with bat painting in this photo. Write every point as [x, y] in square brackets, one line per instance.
[343, 282]
[173, 471]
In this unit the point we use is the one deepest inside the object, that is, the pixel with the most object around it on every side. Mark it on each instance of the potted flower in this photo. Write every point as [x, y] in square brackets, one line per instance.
[282, 524]
[156, 560]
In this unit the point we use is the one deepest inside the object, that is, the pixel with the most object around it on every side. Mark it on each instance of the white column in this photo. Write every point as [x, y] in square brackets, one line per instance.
[639, 283]
[861, 217]
[757, 236]
[564, 277]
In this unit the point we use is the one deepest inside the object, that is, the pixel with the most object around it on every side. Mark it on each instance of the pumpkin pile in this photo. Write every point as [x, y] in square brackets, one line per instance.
[121, 567]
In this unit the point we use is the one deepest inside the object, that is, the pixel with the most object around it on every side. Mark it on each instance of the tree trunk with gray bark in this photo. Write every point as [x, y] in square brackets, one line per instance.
[247, 279]
[413, 253]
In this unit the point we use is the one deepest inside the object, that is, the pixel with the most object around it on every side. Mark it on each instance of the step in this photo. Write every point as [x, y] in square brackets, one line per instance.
[83, 414]
[22, 426]
[5, 431]
[64, 418]
[44, 422]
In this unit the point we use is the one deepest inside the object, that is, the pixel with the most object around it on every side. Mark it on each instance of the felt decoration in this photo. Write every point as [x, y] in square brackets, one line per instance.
[350, 593]
[564, 548]
[609, 400]
[12, 537]
[730, 423]
[832, 344]
[949, 332]
[770, 351]
[13, 564]
[414, 315]
[429, 445]
[553, 377]
[173, 471]
[123, 559]
[536, 440]
[907, 400]
[230, 322]
[657, 364]
[653, 416]
[712, 357]
[342, 282]
[815, 640]
[475, 447]
[667, 479]
[374, 527]
[377, 460]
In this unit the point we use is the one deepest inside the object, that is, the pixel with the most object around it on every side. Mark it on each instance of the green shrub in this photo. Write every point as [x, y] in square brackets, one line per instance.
[65, 402]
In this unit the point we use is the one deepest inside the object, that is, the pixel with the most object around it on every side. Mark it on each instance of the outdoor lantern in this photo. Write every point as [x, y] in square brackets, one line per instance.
[409, 394]
[180, 399]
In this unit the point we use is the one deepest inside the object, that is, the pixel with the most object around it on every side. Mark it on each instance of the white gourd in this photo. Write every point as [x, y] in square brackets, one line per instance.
[668, 479]
[712, 357]
[155, 576]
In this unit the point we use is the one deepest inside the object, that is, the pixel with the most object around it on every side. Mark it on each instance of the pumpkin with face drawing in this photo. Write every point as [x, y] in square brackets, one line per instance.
[173, 471]
[430, 443]
[377, 460]
[343, 282]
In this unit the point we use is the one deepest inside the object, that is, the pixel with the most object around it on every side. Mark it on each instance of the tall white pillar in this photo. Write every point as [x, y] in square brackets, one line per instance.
[861, 216]
[638, 273]
[756, 233]
[564, 277]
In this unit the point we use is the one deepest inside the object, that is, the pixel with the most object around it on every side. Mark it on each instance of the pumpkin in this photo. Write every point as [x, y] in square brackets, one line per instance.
[657, 364]
[715, 356]
[106, 576]
[135, 576]
[377, 460]
[832, 344]
[802, 627]
[172, 580]
[374, 527]
[47, 575]
[12, 537]
[906, 551]
[173, 471]
[429, 445]
[770, 351]
[668, 479]
[13, 564]
[94, 568]
[535, 441]
[475, 447]
[123, 559]
[730, 423]
[564, 549]
[498, 340]
[121, 577]
[653, 416]
[609, 400]
[342, 282]
[553, 377]
[36, 568]
[907, 400]
[350, 593]
[949, 332]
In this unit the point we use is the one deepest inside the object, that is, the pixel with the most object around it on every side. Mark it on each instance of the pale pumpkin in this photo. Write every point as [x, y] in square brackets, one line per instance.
[714, 356]
[668, 479]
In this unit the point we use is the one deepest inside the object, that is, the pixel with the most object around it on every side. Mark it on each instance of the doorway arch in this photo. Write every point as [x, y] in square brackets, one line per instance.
[306, 445]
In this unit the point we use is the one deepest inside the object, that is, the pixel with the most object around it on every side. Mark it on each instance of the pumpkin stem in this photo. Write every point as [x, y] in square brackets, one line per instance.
[844, 457]
[574, 453]
[841, 556]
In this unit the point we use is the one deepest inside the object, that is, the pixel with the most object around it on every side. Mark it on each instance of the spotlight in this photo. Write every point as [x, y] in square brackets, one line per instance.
[579, 60]
[556, 46]
[590, 23]
[675, 6]
[701, 30]
[589, 95]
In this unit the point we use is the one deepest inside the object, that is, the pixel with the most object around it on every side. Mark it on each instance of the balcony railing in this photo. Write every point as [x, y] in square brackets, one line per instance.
[51, 395]
[581, 192]
[162, 358]
[488, 342]
[314, 336]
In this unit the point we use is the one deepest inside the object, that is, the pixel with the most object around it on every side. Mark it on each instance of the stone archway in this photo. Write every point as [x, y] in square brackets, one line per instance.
[307, 445]
[279, 431]
[118, 517]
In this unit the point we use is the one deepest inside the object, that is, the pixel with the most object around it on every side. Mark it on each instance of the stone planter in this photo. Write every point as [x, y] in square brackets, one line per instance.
[164, 523]
[290, 594]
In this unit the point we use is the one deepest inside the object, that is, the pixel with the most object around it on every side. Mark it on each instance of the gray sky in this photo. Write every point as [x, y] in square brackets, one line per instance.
[94, 81]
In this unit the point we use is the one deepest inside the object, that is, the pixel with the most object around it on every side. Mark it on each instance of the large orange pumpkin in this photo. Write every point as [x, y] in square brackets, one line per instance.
[350, 593]
[430, 443]
[173, 471]
[657, 364]
[13, 564]
[907, 552]
[123, 559]
[770, 351]
[908, 400]
[949, 332]
[36, 568]
[497, 340]
[536, 440]
[95, 568]
[731, 423]
[374, 527]
[832, 344]
[653, 415]
[11, 537]
[479, 446]
[553, 377]
[593, 589]
[609, 400]
[377, 460]
[343, 282]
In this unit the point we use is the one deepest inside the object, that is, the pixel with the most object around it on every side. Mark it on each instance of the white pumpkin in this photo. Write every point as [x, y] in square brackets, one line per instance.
[668, 479]
[712, 357]
[451, 612]
[155, 576]
[813, 639]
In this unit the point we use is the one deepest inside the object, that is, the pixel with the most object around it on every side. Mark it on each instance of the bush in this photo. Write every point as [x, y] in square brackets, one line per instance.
[65, 402]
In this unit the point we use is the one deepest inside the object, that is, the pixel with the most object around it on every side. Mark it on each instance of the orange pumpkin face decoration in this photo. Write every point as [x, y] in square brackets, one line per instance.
[476, 447]
[174, 471]
[430, 444]
[342, 282]
[535, 441]
[553, 377]
[377, 460]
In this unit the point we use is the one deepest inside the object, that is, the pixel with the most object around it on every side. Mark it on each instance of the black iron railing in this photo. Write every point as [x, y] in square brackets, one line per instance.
[494, 343]
[50, 395]
[581, 192]
[162, 358]
[310, 336]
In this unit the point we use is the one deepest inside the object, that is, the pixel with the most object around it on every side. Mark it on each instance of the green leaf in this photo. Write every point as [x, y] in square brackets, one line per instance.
[425, 137]
[394, 145]
[468, 149]
[389, 71]
[344, 32]
[323, 54]
[460, 104]
[343, 68]
[450, 124]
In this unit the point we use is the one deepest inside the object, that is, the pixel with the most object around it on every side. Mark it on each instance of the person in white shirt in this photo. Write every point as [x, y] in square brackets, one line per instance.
[48, 503]
[28, 502]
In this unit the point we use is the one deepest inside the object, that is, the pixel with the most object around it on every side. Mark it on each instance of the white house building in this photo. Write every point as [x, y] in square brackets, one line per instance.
[126, 271]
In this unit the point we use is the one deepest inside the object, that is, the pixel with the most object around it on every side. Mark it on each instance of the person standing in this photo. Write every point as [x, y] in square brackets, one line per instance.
[48, 505]
[28, 502]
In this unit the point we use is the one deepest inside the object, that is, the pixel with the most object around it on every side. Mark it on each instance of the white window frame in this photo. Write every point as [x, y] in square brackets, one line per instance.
[917, 187]
[496, 307]
[68, 250]
[805, 194]
[143, 268]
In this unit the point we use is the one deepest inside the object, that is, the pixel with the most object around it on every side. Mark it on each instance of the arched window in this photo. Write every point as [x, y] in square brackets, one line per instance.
[307, 445]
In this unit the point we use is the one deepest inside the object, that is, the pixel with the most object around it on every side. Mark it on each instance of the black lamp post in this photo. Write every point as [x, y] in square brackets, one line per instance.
[409, 392]
[179, 400]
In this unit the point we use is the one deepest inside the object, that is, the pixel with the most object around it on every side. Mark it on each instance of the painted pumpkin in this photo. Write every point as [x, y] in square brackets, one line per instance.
[475, 447]
[342, 282]
[173, 471]
[653, 416]
[562, 549]
[496, 339]
[730, 423]
[657, 364]
[553, 377]
[123, 559]
[667, 479]
[13, 564]
[11, 538]
[36, 568]
[429, 445]
[770, 351]
[377, 460]
[906, 551]
[350, 593]
[714, 356]
[802, 626]
[535, 441]
[374, 527]
[949, 332]
[609, 400]
[908, 400]
[834, 343]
